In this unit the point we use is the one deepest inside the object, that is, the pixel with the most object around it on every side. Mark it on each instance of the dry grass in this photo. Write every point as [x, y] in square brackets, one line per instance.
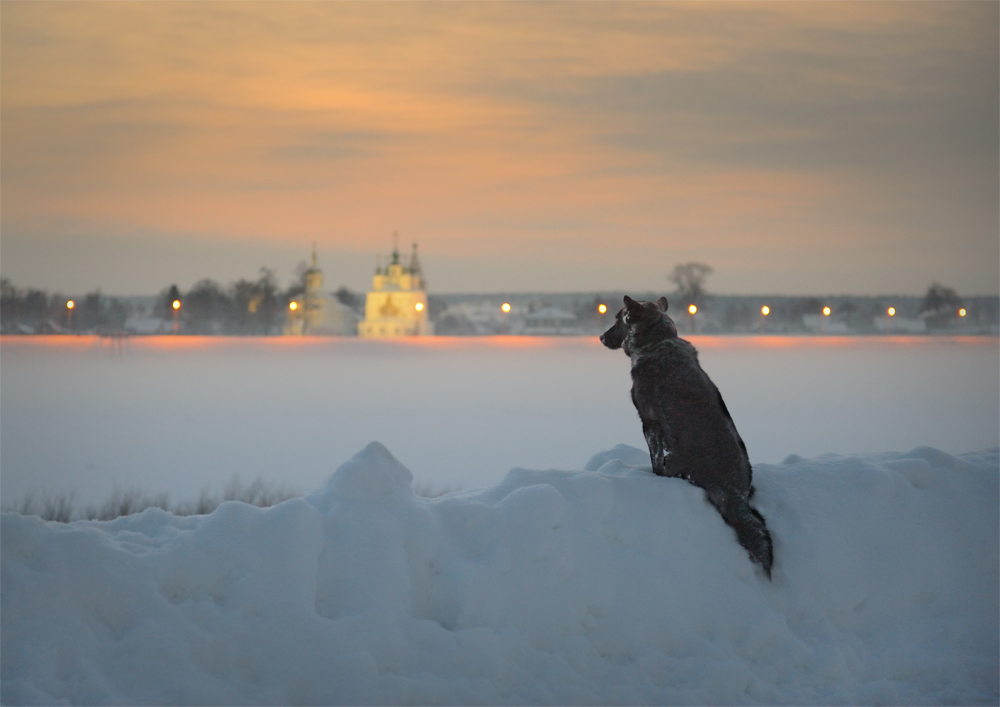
[62, 507]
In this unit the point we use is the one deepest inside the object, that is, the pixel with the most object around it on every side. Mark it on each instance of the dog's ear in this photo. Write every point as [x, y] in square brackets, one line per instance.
[662, 304]
[630, 303]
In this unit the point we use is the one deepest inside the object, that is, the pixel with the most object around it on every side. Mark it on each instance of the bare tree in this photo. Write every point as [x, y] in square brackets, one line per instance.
[940, 306]
[689, 278]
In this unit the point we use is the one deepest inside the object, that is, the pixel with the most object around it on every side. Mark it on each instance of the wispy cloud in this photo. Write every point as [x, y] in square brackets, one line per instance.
[683, 129]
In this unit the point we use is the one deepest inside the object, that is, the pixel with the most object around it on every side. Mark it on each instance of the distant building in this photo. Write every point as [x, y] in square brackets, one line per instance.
[824, 324]
[397, 303]
[550, 321]
[900, 325]
[315, 313]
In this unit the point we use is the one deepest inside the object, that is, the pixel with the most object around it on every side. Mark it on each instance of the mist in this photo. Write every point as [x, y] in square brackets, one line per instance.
[88, 415]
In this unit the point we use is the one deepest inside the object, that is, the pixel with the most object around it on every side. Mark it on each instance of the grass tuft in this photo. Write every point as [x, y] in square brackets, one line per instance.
[62, 508]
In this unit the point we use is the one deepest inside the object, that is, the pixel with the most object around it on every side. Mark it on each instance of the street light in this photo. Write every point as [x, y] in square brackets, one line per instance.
[177, 308]
[962, 312]
[765, 310]
[891, 311]
[826, 311]
[505, 307]
[419, 306]
[692, 310]
[293, 306]
[69, 314]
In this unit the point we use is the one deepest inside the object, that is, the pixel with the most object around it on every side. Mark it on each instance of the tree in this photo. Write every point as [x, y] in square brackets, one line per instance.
[940, 299]
[940, 306]
[256, 307]
[207, 308]
[10, 306]
[689, 278]
[165, 307]
[349, 298]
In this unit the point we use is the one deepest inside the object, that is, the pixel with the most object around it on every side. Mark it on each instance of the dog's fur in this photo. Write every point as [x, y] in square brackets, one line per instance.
[686, 424]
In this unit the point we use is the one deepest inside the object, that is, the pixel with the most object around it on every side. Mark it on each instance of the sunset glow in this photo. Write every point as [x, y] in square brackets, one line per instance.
[795, 147]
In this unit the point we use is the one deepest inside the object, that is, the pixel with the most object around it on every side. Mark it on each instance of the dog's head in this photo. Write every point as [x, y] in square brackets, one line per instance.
[639, 320]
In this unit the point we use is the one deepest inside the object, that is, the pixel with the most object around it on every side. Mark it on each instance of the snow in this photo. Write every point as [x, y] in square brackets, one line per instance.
[178, 414]
[600, 585]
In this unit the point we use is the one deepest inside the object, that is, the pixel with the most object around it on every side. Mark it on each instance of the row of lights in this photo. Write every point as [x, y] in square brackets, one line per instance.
[419, 306]
[693, 309]
[765, 310]
[601, 308]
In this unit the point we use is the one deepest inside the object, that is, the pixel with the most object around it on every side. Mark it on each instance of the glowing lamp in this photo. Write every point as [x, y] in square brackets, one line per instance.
[692, 309]
[602, 308]
[293, 306]
[962, 312]
[765, 310]
[891, 311]
[70, 304]
[419, 306]
[177, 304]
[505, 307]
[826, 311]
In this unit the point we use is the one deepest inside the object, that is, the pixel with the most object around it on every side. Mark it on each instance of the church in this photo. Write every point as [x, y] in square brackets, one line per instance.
[315, 313]
[397, 303]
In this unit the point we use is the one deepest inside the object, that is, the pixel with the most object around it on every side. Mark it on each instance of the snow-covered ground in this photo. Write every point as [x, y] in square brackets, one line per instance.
[599, 586]
[178, 414]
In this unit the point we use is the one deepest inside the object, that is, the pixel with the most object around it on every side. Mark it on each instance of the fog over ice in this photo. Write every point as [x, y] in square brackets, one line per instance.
[180, 414]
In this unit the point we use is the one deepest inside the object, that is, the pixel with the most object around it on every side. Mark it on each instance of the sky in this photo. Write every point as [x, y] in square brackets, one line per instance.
[797, 148]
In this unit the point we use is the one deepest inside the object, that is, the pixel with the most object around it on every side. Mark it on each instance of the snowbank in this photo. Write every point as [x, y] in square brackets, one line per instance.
[605, 585]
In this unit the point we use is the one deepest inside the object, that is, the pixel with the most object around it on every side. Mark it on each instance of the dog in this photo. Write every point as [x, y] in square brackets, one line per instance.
[690, 433]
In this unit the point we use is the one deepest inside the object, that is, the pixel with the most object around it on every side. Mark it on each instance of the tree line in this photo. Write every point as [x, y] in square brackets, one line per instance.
[246, 307]
[35, 311]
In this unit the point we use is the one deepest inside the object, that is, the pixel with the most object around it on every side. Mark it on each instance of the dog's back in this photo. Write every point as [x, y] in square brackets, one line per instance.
[686, 424]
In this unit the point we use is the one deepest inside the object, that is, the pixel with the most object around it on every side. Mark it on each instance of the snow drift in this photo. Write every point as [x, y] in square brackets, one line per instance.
[605, 585]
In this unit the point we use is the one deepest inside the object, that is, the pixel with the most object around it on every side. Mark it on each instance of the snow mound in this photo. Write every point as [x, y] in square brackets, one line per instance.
[607, 585]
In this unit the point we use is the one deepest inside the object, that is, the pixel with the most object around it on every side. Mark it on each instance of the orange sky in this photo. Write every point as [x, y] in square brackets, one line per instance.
[797, 148]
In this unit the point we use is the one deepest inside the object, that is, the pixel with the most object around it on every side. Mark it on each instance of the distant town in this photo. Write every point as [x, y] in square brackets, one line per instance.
[398, 305]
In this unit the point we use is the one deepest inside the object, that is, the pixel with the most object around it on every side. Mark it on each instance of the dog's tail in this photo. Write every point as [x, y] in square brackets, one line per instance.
[751, 531]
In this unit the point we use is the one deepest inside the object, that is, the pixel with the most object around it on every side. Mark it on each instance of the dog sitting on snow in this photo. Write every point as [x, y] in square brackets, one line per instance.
[686, 424]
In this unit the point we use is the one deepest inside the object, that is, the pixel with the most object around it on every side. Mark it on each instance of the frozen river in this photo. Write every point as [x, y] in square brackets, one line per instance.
[181, 414]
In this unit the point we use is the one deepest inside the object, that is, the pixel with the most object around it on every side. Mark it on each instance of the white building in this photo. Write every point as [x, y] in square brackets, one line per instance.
[824, 324]
[315, 313]
[901, 325]
[549, 321]
[397, 303]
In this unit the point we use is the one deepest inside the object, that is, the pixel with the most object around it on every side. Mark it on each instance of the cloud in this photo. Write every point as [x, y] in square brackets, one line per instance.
[511, 129]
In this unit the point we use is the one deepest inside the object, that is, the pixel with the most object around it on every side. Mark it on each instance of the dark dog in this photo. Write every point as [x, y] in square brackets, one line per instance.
[686, 424]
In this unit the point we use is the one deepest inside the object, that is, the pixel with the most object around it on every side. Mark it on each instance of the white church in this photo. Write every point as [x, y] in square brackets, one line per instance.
[316, 313]
[397, 303]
